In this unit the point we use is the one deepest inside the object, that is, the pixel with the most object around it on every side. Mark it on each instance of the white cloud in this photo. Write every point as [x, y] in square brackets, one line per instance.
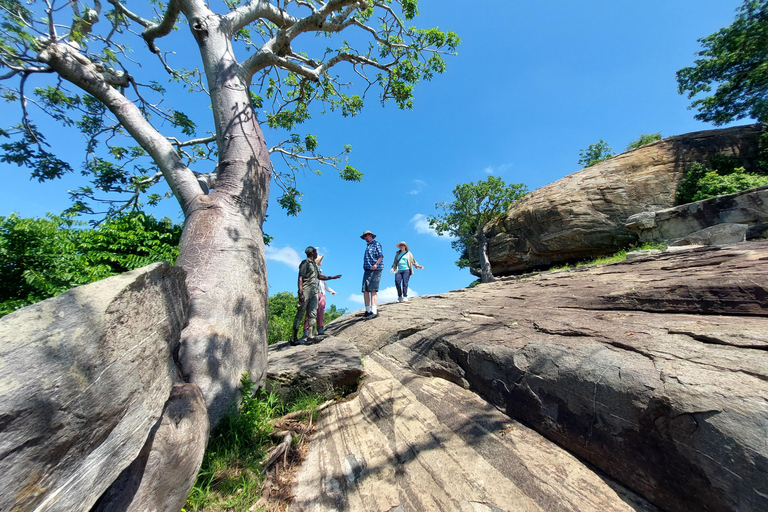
[286, 255]
[497, 169]
[421, 225]
[419, 186]
[388, 294]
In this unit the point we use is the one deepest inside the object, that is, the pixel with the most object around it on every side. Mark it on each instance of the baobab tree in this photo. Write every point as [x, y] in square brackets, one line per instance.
[106, 69]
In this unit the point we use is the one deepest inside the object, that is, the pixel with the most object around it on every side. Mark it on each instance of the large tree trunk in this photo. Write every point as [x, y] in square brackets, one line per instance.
[486, 274]
[222, 247]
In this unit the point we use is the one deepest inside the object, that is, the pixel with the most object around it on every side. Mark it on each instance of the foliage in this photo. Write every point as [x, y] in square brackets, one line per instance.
[230, 475]
[722, 176]
[282, 311]
[595, 153]
[370, 44]
[713, 184]
[644, 139]
[689, 185]
[733, 61]
[474, 205]
[41, 258]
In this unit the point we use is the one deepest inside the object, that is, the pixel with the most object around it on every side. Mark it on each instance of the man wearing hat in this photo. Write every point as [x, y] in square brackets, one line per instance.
[309, 276]
[372, 258]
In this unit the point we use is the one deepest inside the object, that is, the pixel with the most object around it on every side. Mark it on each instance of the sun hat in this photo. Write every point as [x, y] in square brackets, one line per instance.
[367, 233]
[402, 243]
[319, 259]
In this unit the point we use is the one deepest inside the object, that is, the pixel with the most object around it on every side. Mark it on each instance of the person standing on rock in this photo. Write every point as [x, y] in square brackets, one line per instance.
[372, 259]
[321, 289]
[309, 276]
[403, 267]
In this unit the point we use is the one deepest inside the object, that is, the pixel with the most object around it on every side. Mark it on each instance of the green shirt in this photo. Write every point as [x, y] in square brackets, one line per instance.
[308, 272]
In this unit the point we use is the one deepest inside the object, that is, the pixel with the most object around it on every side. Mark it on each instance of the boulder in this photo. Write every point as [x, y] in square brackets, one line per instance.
[655, 370]
[326, 366]
[723, 219]
[163, 474]
[583, 215]
[85, 378]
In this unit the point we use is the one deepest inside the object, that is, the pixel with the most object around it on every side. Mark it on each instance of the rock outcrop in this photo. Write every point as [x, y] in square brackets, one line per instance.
[86, 381]
[743, 215]
[655, 370]
[583, 215]
[327, 366]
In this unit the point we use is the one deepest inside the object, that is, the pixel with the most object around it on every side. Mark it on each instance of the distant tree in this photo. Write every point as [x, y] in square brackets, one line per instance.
[282, 311]
[644, 139]
[252, 64]
[734, 60]
[41, 258]
[465, 218]
[595, 153]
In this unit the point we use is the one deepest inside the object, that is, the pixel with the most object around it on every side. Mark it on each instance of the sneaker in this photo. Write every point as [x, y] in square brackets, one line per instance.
[300, 341]
[399, 299]
[372, 316]
[320, 330]
[405, 299]
[367, 314]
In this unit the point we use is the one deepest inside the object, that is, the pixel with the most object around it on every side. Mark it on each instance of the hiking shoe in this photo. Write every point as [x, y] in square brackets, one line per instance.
[320, 330]
[367, 315]
[372, 316]
[300, 341]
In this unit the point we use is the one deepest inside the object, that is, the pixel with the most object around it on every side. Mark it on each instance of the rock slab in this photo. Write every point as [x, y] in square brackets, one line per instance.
[85, 377]
[325, 367]
[654, 370]
[413, 443]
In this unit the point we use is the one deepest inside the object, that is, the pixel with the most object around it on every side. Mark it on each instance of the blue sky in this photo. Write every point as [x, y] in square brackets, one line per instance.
[532, 85]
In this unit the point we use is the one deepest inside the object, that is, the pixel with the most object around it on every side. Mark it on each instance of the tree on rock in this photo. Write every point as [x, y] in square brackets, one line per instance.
[465, 218]
[595, 153]
[73, 62]
[734, 61]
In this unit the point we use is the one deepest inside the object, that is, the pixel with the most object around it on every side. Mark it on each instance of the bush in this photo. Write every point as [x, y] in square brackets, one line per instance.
[644, 139]
[595, 153]
[41, 258]
[712, 184]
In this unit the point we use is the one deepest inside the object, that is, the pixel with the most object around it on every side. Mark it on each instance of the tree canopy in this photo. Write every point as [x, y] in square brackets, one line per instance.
[474, 205]
[733, 63]
[46, 44]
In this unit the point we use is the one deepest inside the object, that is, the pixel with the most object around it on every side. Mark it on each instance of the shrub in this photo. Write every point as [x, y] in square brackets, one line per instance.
[644, 139]
[713, 184]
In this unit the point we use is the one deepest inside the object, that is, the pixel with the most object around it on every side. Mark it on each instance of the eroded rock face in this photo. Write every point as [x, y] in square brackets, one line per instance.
[743, 215]
[655, 370]
[85, 377]
[583, 215]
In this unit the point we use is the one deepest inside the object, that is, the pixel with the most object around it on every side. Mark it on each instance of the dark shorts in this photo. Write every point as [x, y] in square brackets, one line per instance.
[371, 279]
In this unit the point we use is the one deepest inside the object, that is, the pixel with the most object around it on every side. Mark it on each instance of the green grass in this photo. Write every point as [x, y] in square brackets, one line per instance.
[230, 476]
[613, 258]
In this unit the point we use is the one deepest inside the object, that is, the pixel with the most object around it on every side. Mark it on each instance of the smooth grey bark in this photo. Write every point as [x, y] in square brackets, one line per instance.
[222, 247]
[486, 273]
